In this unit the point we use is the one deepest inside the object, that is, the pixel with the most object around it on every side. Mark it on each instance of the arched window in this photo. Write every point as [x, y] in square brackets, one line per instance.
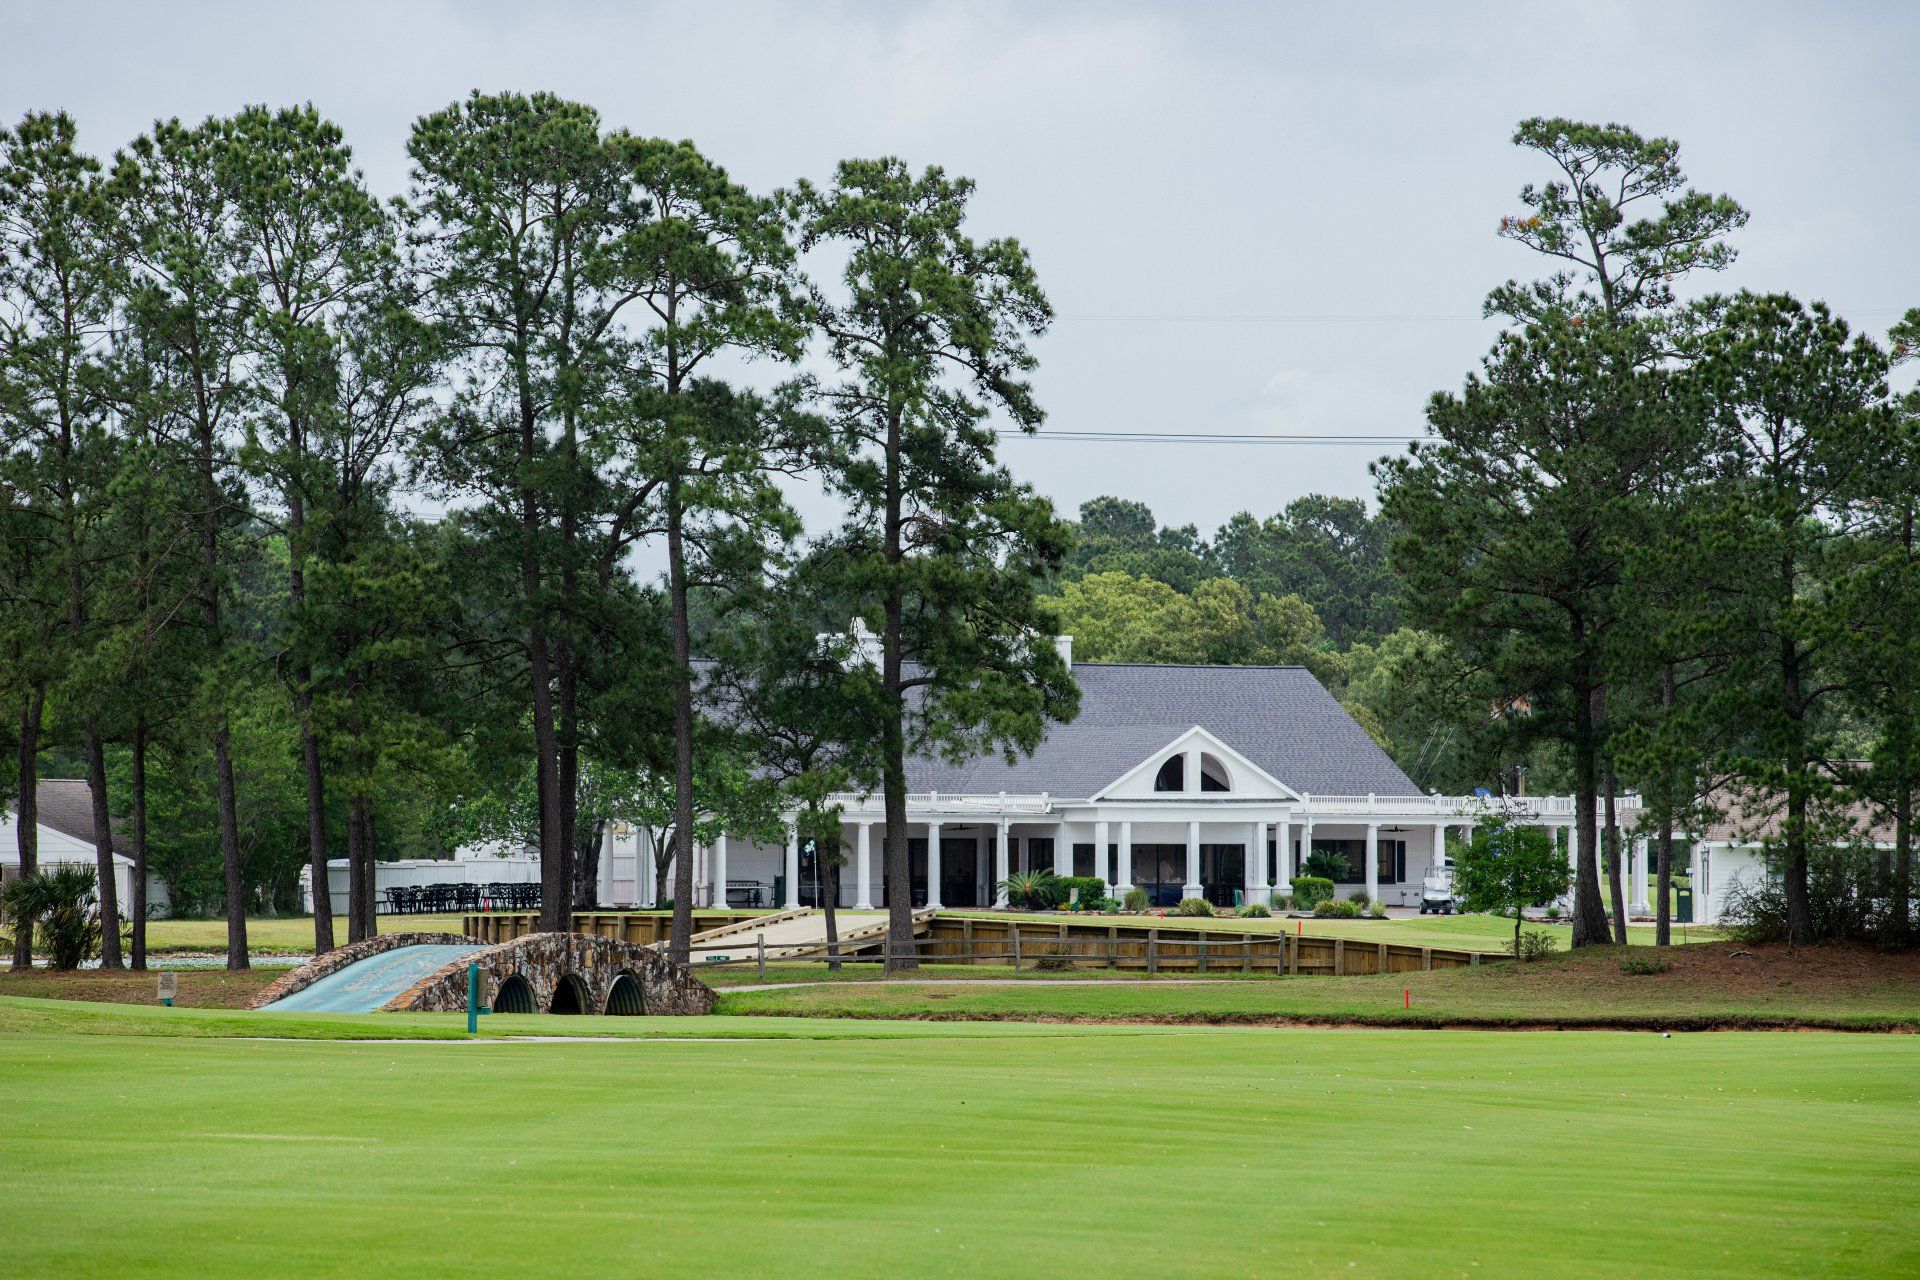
[1172, 775]
[1214, 775]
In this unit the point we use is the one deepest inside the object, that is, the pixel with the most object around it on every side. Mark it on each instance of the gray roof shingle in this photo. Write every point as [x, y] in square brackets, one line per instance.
[1280, 718]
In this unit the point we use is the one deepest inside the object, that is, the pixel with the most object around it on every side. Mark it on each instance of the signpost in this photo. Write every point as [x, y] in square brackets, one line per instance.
[474, 1007]
[169, 987]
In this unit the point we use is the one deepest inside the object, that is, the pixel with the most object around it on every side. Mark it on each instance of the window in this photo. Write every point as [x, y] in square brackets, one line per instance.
[1083, 859]
[1213, 775]
[1172, 775]
[1393, 859]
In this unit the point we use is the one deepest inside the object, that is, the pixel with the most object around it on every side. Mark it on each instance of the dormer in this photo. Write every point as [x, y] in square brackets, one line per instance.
[1195, 764]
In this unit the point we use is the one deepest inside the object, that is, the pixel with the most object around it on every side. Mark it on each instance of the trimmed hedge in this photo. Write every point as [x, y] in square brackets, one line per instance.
[1310, 891]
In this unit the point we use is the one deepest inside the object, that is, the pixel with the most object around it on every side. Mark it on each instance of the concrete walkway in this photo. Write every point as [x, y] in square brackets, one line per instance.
[803, 933]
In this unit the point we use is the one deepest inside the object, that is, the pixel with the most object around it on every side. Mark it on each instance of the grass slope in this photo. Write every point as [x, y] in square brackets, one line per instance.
[1706, 984]
[1195, 1153]
[1468, 932]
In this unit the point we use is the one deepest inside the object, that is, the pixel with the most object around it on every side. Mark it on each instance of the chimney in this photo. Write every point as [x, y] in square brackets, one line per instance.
[863, 647]
[1065, 645]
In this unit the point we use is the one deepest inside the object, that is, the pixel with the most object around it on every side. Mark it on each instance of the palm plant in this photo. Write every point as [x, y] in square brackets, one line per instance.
[1031, 890]
[60, 903]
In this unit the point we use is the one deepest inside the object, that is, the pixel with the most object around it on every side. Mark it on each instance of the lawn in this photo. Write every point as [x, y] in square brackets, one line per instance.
[1707, 984]
[275, 935]
[988, 1150]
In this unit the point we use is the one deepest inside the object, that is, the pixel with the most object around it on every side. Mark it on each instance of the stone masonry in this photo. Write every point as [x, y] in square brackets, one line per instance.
[546, 959]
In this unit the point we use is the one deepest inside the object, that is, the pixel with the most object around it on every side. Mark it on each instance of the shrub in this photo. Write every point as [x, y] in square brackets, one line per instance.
[1359, 897]
[1055, 956]
[1534, 944]
[1311, 891]
[1281, 901]
[60, 903]
[1082, 891]
[1553, 911]
[1193, 907]
[1377, 909]
[1136, 899]
[1033, 890]
[1254, 911]
[1637, 965]
[1334, 909]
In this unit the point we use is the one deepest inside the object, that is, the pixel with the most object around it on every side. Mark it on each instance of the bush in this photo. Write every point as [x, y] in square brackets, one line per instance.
[1254, 911]
[1085, 892]
[1377, 909]
[1553, 911]
[1193, 907]
[1636, 965]
[1281, 901]
[60, 904]
[1310, 891]
[1053, 957]
[1136, 899]
[1333, 909]
[1359, 898]
[1033, 890]
[1535, 944]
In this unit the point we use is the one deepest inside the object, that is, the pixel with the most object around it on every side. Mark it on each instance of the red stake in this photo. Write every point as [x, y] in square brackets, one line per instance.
[1406, 997]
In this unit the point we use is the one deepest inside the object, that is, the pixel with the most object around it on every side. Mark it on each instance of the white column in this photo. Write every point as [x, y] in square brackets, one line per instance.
[979, 849]
[1282, 850]
[793, 866]
[933, 864]
[863, 881]
[1062, 852]
[1255, 866]
[1373, 861]
[1123, 874]
[1001, 866]
[1573, 863]
[720, 870]
[1100, 851]
[1306, 843]
[1191, 770]
[1193, 888]
[1640, 906]
[1439, 844]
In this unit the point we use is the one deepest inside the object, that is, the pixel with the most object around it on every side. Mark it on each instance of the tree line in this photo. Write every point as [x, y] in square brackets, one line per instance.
[322, 512]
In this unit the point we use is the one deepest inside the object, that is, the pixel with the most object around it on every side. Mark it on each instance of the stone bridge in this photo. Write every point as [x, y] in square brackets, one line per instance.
[535, 973]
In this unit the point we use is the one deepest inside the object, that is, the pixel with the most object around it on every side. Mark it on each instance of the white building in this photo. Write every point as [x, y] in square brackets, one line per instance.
[64, 827]
[1185, 781]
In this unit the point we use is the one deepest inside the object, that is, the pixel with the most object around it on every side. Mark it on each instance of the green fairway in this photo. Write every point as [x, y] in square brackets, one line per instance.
[1188, 1153]
[276, 935]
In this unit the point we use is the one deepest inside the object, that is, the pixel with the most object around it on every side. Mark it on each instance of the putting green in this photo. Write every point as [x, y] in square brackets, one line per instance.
[977, 1150]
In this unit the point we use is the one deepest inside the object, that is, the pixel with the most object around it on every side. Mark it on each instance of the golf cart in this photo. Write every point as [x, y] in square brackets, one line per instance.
[1436, 892]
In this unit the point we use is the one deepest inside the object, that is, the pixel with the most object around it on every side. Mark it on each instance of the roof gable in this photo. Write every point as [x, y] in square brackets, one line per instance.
[1249, 781]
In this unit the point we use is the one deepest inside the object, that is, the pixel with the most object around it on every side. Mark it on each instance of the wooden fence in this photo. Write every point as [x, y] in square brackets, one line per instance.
[638, 928]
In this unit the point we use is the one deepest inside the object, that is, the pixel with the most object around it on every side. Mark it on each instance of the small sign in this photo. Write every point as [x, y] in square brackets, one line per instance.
[716, 959]
[169, 987]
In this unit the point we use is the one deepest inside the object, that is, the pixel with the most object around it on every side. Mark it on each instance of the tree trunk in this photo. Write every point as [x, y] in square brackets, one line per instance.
[139, 907]
[33, 703]
[662, 864]
[1903, 863]
[316, 818]
[680, 946]
[103, 850]
[1795, 879]
[1589, 916]
[828, 861]
[1614, 863]
[902, 952]
[586, 868]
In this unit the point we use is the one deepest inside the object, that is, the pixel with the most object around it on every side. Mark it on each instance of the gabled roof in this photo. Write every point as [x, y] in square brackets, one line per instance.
[1280, 718]
[66, 805]
[1141, 776]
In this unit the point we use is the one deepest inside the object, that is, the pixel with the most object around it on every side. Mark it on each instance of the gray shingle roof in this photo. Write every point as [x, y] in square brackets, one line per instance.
[66, 806]
[1281, 718]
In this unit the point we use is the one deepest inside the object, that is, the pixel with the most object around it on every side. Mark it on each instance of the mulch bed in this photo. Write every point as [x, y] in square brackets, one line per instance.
[199, 988]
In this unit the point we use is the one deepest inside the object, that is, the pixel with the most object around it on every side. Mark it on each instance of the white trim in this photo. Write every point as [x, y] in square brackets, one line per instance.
[1184, 742]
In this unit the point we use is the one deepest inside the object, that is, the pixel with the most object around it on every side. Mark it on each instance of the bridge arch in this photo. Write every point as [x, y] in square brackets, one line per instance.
[515, 996]
[625, 997]
[571, 995]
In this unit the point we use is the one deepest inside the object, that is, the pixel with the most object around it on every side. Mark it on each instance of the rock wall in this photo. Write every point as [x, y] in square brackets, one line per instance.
[546, 959]
[340, 957]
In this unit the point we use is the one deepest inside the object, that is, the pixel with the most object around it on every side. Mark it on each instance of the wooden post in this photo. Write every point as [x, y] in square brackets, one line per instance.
[966, 936]
[1339, 956]
[1153, 951]
[1113, 946]
[1381, 967]
[760, 952]
[1426, 958]
[1292, 948]
[1203, 953]
[1014, 927]
[1474, 957]
[1246, 955]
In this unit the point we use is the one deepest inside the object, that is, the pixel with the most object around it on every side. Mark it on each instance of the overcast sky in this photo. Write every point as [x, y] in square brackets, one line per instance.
[1250, 218]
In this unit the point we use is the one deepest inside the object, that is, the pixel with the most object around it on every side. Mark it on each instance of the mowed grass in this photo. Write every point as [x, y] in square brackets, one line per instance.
[1198, 1152]
[275, 935]
[1703, 985]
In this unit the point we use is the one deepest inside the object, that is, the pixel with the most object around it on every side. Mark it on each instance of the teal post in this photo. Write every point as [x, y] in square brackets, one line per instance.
[473, 998]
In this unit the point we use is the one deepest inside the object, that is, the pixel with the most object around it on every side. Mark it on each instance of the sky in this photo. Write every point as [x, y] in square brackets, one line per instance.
[1268, 219]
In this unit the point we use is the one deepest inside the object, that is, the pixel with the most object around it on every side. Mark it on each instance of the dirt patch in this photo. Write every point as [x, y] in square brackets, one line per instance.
[199, 988]
[1735, 969]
